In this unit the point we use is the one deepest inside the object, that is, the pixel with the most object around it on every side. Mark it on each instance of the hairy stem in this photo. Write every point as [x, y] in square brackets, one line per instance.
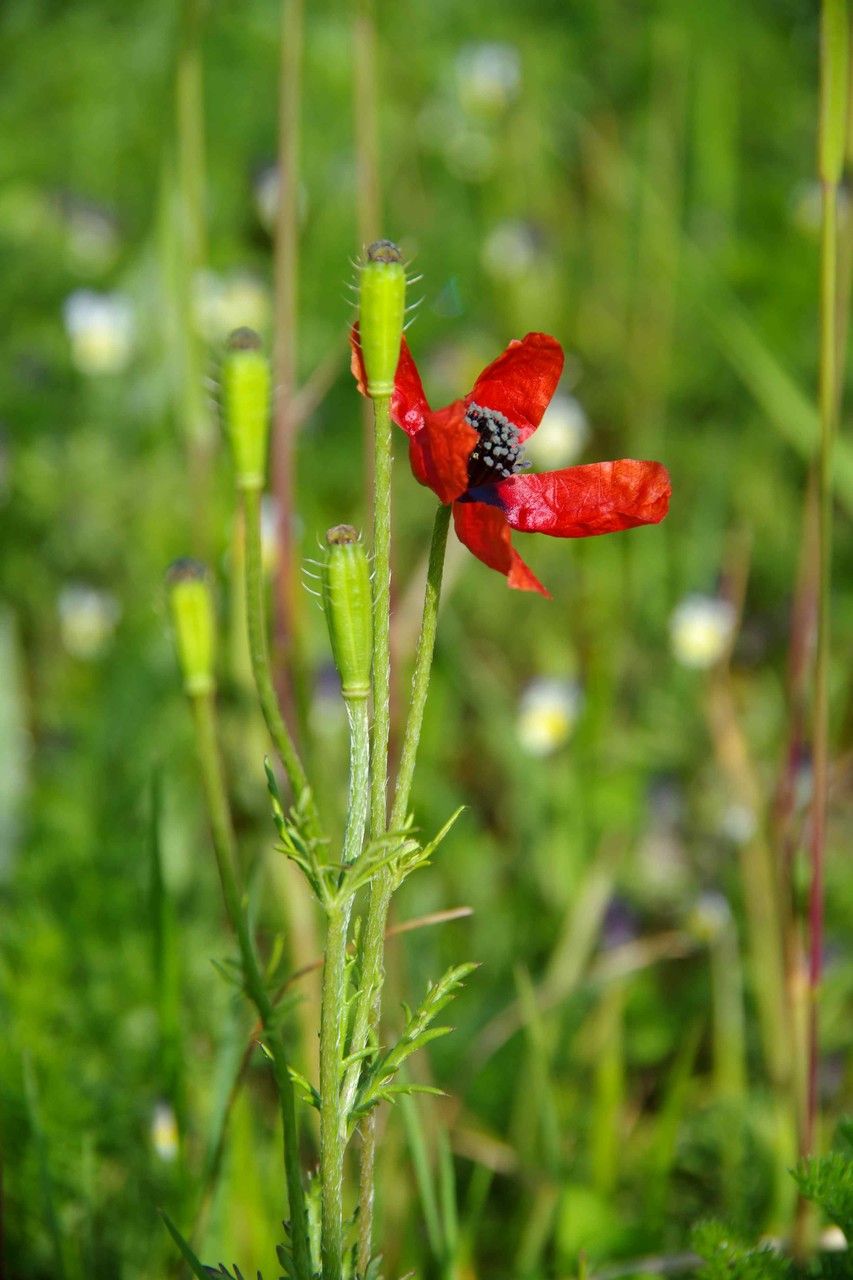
[423, 668]
[369, 1007]
[381, 615]
[333, 1126]
[224, 846]
[332, 1134]
[359, 798]
[256, 619]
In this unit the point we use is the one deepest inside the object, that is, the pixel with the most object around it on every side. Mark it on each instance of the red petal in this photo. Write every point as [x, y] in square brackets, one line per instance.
[356, 363]
[485, 532]
[579, 501]
[521, 382]
[439, 452]
[408, 403]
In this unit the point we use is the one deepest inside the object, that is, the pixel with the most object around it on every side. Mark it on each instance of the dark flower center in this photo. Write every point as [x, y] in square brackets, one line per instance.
[497, 454]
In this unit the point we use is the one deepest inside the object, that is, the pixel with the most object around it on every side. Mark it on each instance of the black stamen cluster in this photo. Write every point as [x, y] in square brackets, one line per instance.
[497, 454]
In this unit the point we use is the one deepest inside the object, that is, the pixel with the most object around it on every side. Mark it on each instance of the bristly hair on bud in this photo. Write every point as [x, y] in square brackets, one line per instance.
[382, 313]
[245, 406]
[193, 622]
[348, 606]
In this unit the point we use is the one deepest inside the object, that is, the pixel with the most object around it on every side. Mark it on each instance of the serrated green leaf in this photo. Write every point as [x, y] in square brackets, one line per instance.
[417, 1033]
[369, 1051]
[229, 973]
[307, 1089]
[727, 1258]
[406, 1089]
[420, 857]
[828, 1181]
[376, 857]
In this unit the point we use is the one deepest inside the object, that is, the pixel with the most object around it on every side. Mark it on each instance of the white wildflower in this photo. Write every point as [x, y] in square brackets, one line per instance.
[101, 330]
[87, 619]
[164, 1132]
[547, 713]
[701, 630]
[488, 77]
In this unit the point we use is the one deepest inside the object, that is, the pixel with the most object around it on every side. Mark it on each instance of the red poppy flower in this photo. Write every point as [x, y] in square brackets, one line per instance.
[471, 455]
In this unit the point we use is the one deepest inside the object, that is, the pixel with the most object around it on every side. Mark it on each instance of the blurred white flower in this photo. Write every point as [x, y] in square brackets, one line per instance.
[101, 330]
[547, 713]
[266, 189]
[87, 619]
[833, 1240]
[225, 303]
[488, 77]
[711, 914]
[510, 249]
[701, 630]
[562, 434]
[269, 532]
[738, 823]
[164, 1132]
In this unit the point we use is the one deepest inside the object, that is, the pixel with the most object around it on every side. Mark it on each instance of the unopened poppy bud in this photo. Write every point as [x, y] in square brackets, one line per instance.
[382, 306]
[245, 406]
[347, 603]
[191, 606]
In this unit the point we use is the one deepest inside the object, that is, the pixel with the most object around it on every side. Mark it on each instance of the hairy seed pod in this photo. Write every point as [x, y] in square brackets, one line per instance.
[348, 607]
[382, 306]
[191, 606]
[245, 406]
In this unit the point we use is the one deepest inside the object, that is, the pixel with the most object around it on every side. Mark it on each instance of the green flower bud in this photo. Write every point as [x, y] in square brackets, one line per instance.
[382, 306]
[245, 406]
[191, 606]
[345, 580]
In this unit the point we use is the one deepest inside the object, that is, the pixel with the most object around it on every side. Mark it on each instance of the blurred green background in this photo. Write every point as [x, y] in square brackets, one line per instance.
[637, 179]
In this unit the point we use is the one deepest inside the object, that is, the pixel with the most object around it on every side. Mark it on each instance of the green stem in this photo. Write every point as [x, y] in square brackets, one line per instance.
[369, 1007]
[381, 615]
[191, 237]
[332, 1134]
[359, 797]
[256, 618]
[287, 315]
[372, 975]
[423, 668]
[366, 82]
[333, 1126]
[366, 1184]
[821, 695]
[373, 945]
[224, 846]
[831, 139]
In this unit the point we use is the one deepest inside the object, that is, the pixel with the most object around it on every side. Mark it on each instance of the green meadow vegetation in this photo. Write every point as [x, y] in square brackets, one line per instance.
[631, 1086]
